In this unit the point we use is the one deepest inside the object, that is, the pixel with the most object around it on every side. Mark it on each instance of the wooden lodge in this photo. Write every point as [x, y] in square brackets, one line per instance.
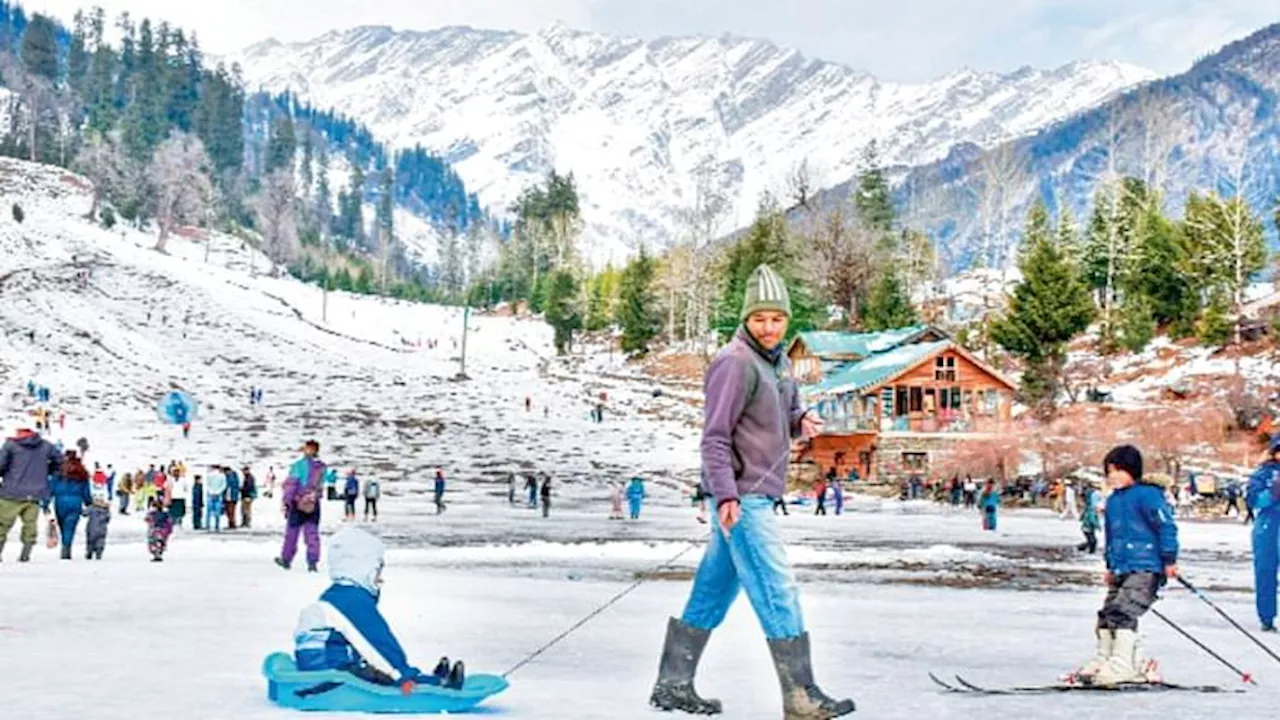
[894, 401]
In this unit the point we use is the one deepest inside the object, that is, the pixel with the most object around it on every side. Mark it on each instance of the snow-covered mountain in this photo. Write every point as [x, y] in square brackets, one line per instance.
[1214, 127]
[638, 122]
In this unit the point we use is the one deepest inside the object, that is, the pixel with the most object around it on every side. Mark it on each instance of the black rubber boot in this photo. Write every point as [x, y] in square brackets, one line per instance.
[311, 567]
[66, 552]
[457, 676]
[26, 552]
[802, 699]
[282, 563]
[442, 669]
[680, 654]
[2, 549]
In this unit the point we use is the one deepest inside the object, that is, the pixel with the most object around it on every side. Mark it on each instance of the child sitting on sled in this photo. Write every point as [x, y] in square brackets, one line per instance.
[344, 630]
[1141, 554]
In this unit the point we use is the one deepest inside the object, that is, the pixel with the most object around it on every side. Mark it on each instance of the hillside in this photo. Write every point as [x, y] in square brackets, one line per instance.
[1214, 127]
[365, 382]
[639, 122]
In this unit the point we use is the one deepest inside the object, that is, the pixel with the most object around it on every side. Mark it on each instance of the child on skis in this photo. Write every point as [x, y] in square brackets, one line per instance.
[345, 631]
[159, 527]
[1142, 554]
[990, 502]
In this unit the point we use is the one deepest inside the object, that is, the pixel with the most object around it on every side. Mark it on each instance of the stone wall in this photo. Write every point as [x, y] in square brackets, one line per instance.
[890, 447]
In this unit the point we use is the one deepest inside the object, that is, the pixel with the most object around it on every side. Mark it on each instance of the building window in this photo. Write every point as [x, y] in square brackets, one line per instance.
[914, 460]
[944, 368]
[917, 399]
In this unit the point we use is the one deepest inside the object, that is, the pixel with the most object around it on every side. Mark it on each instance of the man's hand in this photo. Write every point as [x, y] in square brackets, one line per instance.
[1171, 571]
[730, 512]
[1108, 578]
[810, 425]
[406, 687]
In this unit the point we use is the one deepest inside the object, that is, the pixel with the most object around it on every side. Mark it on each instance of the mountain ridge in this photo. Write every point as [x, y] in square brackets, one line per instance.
[643, 123]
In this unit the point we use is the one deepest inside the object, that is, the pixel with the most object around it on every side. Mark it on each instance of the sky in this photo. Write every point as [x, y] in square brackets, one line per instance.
[899, 40]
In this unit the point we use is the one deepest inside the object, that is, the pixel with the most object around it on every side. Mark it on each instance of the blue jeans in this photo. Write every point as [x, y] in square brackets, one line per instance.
[213, 514]
[1266, 559]
[751, 558]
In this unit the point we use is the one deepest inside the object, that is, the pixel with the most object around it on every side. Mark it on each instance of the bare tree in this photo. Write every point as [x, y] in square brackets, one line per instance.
[843, 260]
[1005, 178]
[1158, 119]
[703, 222]
[275, 206]
[452, 263]
[181, 191]
[102, 161]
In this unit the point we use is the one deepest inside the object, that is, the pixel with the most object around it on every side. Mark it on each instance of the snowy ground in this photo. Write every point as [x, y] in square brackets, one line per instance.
[891, 590]
[190, 633]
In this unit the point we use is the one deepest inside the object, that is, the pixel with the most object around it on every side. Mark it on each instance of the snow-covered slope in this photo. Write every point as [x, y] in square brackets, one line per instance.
[635, 121]
[361, 382]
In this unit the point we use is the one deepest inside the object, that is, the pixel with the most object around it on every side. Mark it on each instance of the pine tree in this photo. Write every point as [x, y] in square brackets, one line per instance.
[100, 91]
[563, 313]
[305, 173]
[1049, 307]
[873, 199]
[1068, 238]
[766, 242]
[603, 298]
[1156, 273]
[637, 305]
[281, 143]
[1213, 328]
[888, 307]
[1137, 323]
[77, 55]
[144, 122]
[40, 48]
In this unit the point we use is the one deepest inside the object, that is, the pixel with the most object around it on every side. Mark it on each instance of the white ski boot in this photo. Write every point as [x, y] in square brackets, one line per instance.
[1124, 666]
[1087, 674]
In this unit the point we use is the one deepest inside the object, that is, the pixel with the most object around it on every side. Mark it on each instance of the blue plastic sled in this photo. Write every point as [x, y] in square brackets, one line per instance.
[334, 690]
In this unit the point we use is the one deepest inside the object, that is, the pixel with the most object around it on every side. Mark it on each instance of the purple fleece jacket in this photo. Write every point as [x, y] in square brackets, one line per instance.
[752, 412]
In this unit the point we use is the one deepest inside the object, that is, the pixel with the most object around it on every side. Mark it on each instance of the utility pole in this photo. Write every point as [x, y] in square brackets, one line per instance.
[466, 320]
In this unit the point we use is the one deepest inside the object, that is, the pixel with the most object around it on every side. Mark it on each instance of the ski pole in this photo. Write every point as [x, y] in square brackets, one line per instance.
[1244, 676]
[1196, 591]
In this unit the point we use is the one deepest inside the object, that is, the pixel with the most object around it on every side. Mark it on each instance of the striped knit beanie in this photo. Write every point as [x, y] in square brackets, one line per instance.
[766, 290]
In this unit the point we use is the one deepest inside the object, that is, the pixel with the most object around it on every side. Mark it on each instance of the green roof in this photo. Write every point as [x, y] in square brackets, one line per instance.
[827, 343]
[872, 371]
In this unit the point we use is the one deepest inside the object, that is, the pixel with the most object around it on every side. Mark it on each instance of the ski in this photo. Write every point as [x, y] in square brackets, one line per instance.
[971, 688]
[946, 686]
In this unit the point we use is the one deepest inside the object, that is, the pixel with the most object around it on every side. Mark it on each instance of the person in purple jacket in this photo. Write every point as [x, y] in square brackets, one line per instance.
[301, 501]
[751, 414]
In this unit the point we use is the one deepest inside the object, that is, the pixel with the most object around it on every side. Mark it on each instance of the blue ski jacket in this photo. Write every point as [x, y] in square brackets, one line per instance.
[1141, 533]
[1263, 494]
[345, 628]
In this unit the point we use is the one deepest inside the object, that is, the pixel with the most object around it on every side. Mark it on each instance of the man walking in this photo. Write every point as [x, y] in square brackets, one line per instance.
[302, 493]
[752, 412]
[1263, 497]
[26, 461]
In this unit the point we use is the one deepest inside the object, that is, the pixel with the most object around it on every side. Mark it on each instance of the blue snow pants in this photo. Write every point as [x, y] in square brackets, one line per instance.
[68, 514]
[1266, 562]
[634, 506]
[753, 559]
